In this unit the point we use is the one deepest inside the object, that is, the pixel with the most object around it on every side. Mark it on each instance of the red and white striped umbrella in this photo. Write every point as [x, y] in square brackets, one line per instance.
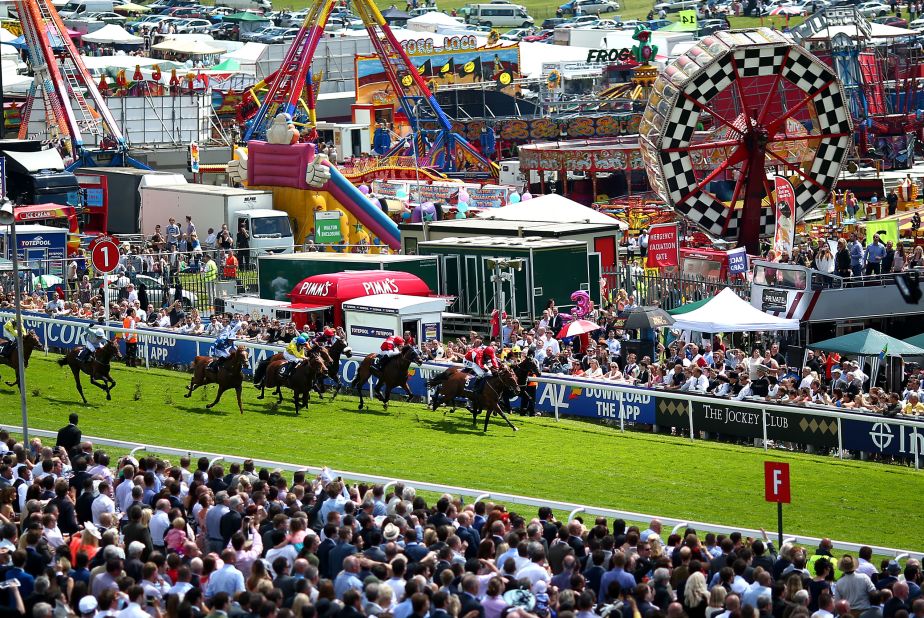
[578, 327]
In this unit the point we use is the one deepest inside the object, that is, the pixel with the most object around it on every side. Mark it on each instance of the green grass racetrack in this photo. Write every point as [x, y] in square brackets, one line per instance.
[568, 460]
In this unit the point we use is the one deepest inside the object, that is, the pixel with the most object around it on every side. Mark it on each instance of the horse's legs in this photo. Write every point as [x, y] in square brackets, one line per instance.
[386, 397]
[16, 381]
[238, 389]
[504, 416]
[487, 416]
[112, 383]
[192, 386]
[407, 389]
[76, 372]
[221, 389]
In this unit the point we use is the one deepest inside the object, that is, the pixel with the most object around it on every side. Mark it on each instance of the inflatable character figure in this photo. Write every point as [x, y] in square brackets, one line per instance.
[282, 131]
[644, 52]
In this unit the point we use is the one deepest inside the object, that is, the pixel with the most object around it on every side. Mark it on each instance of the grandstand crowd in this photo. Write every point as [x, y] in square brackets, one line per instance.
[83, 535]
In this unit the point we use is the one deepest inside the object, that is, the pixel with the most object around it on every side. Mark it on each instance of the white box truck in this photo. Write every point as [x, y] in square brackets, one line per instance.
[210, 206]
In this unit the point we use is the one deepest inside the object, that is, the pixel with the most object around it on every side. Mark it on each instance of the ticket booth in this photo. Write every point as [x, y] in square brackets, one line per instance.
[371, 319]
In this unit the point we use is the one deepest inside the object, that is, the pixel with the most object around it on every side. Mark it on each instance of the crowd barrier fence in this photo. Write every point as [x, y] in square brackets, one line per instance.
[573, 509]
[817, 429]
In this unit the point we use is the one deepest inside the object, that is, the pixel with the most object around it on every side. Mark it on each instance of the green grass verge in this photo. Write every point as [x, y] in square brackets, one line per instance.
[569, 460]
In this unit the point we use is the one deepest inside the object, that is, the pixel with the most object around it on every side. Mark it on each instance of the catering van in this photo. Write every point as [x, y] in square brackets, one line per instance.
[499, 15]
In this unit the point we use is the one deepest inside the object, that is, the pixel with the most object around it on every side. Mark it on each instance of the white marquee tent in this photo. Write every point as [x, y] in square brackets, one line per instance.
[551, 208]
[728, 313]
[113, 35]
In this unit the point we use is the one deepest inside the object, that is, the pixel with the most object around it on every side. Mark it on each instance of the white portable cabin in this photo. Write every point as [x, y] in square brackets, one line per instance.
[372, 319]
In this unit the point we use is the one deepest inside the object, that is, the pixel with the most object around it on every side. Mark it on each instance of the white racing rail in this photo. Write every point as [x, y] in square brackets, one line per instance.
[572, 508]
[478, 494]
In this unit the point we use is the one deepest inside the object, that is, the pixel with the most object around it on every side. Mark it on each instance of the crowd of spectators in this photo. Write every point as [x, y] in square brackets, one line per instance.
[82, 535]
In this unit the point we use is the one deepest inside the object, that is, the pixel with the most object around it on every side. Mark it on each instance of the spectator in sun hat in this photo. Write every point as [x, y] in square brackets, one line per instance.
[853, 587]
[88, 606]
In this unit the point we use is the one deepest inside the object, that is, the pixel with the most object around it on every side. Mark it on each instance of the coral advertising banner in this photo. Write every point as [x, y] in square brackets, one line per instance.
[663, 245]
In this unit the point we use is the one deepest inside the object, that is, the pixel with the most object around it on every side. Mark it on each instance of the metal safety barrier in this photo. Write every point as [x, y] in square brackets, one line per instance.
[478, 494]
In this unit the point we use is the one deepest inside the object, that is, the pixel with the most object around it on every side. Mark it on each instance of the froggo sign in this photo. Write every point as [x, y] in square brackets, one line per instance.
[663, 246]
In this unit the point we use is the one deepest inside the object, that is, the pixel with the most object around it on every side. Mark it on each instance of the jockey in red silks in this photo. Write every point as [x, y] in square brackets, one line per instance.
[390, 347]
[480, 361]
[325, 338]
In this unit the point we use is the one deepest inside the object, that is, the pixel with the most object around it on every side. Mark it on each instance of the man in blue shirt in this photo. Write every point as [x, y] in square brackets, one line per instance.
[856, 255]
[875, 251]
[618, 573]
[226, 579]
[26, 581]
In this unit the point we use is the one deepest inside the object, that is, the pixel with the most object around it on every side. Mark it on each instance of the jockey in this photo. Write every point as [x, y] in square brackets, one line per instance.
[10, 332]
[480, 360]
[325, 338]
[224, 344]
[94, 340]
[390, 347]
[293, 354]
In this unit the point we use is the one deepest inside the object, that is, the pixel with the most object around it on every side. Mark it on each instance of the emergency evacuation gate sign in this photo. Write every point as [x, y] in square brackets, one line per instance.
[776, 482]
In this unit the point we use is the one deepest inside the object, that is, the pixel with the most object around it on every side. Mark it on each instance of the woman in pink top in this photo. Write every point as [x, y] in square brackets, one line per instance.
[494, 604]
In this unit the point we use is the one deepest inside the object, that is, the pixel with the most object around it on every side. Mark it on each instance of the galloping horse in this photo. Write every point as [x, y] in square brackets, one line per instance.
[97, 367]
[329, 356]
[393, 376]
[231, 375]
[335, 351]
[30, 342]
[451, 384]
[301, 380]
[521, 370]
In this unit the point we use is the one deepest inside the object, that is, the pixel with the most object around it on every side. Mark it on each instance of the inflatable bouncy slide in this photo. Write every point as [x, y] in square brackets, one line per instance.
[304, 183]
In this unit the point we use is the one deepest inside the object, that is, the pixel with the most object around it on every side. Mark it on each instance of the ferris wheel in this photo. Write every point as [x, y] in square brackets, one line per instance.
[732, 112]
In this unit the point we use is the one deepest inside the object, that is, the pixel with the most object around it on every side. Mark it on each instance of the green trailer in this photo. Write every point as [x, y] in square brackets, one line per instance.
[278, 274]
[552, 270]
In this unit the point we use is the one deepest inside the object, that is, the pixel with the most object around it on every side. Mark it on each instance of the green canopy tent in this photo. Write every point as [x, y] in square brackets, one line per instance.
[688, 307]
[917, 340]
[244, 16]
[869, 343]
[230, 64]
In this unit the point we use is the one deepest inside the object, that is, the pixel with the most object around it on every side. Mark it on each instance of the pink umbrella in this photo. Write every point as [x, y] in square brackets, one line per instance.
[578, 327]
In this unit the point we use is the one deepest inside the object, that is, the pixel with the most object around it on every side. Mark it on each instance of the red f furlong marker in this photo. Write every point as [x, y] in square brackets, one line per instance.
[777, 489]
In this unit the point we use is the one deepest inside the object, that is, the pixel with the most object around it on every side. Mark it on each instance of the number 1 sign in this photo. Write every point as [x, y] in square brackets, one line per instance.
[104, 253]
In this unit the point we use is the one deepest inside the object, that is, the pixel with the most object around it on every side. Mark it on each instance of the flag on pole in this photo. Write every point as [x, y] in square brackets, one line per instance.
[885, 351]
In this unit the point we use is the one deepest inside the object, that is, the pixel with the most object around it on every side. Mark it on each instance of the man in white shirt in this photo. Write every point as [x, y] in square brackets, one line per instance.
[613, 345]
[103, 502]
[807, 378]
[535, 570]
[160, 523]
[825, 606]
[123, 492]
[135, 599]
[697, 382]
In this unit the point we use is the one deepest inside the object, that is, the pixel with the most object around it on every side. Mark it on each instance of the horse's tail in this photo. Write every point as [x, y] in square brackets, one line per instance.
[356, 379]
[62, 361]
[260, 373]
[439, 378]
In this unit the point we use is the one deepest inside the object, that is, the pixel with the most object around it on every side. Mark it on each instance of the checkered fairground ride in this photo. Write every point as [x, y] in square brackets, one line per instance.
[731, 112]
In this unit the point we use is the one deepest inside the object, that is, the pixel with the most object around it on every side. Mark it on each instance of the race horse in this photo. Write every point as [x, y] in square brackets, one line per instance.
[230, 375]
[393, 376]
[330, 356]
[30, 342]
[453, 383]
[522, 370]
[97, 367]
[301, 380]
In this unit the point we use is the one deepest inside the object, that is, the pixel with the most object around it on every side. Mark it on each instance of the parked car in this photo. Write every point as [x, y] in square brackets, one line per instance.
[539, 37]
[286, 36]
[674, 7]
[516, 34]
[189, 26]
[874, 9]
[225, 31]
[217, 13]
[109, 18]
[584, 21]
[552, 22]
[708, 26]
[589, 7]
[892, 20]
[917, 23]
[422, 10]
[294, 19]
[154, 285]
[255, 35]
[187, 12]
[657, 24]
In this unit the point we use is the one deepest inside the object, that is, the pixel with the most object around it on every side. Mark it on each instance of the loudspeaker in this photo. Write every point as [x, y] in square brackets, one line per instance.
[795, 356]
[640, 347]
